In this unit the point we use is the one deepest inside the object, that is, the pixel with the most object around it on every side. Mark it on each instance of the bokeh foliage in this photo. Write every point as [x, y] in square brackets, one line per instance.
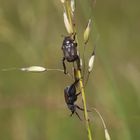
[32, 106]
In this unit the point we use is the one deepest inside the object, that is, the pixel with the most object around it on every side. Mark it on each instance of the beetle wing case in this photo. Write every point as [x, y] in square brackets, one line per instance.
[69, 48]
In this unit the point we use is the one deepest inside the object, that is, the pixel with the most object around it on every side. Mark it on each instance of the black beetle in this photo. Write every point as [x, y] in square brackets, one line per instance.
[71, 97]
[69, 48]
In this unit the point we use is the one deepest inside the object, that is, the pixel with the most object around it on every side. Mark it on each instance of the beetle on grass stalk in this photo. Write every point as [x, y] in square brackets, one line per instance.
[71, 97]
[69, 48]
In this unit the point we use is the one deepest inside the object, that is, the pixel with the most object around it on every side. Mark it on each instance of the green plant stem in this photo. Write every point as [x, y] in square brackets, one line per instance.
[84, 105]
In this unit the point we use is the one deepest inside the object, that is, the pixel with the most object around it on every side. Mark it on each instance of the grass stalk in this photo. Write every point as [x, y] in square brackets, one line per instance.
[78, 72]
[84, 104]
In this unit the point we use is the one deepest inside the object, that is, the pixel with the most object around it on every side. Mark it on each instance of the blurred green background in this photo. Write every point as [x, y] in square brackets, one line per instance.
[32, 105]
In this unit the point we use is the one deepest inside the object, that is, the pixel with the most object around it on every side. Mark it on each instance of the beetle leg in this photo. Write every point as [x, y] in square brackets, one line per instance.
[74, 34]
[79, 108]
[75, 44]
[78, 93]
[75, 82]
[82, 108]
[64, 66]
[78, 115]
[78, 63]
[72, 113]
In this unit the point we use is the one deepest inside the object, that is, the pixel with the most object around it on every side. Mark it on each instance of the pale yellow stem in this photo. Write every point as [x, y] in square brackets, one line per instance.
[78, 73]
[84, 104]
